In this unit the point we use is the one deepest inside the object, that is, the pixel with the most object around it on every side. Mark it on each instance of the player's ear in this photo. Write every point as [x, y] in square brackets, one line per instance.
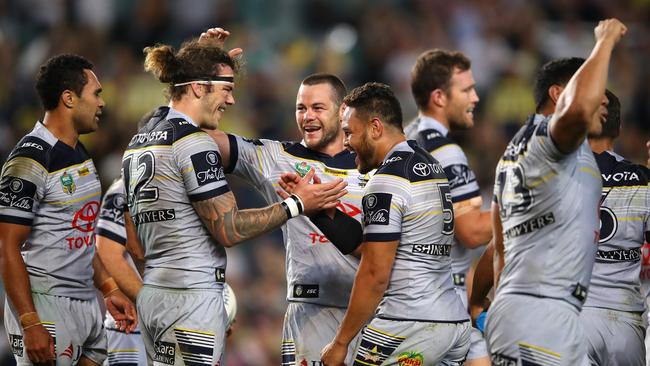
[68, 98]
[375, 128]
[437, 98]
[554, 93]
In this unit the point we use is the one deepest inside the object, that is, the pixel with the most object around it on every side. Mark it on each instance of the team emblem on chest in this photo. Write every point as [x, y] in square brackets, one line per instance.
[68, 184]
[302, 168]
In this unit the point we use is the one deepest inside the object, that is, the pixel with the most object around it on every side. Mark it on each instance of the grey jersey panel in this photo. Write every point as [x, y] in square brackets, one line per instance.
[462, 183]
[317, 272]
[169, 164]
[111, 216]
[625, 218]
[54, 189]
[408, 199]
[548, 206]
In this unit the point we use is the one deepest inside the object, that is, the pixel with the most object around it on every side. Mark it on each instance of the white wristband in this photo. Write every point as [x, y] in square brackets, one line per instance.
[293, 206]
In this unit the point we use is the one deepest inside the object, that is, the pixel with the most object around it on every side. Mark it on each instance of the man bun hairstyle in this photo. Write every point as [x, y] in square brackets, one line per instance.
[195, 61]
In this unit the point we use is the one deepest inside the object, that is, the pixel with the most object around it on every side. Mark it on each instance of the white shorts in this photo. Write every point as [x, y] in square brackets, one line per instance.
[528, 330]
[75, 325]
[401, 342]
[124, 349]
[307, 329]
[615, 338]
[182, 327]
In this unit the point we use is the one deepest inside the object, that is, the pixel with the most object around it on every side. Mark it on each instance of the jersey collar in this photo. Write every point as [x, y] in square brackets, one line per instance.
[428, 123]
[173, 113]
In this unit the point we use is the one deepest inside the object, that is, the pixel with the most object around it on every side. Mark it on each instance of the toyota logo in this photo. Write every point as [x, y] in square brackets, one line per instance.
[421, 169]
[84, 219]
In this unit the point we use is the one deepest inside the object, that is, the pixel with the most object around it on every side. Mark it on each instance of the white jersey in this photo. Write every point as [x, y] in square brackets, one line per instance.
[408, 199]
[548, 204]
[317, 272]
[432, 136]
[624, 220]
[54, 189]
[169, 164]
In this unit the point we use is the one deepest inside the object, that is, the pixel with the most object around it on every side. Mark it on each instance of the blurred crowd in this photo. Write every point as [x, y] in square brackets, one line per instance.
[284, 41]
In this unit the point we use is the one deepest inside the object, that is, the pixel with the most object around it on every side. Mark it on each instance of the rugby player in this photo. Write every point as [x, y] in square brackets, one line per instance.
[545, 214]
[183, 210]
[443, 88]
[49, 201]
[408, 228]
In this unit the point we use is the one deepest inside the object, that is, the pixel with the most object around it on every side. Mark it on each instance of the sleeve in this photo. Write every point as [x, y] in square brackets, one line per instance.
[384, 203]
[22, 186]
[542, 143]
[111, 216]
[198, 158]
[252, 159]
[462, 180]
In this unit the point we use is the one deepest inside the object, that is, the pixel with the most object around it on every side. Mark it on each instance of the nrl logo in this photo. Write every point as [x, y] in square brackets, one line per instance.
[302, 168]
[68, 183]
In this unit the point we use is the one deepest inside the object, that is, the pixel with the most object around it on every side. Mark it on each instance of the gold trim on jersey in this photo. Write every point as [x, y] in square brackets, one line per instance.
[429, 213]
[548, 351]
[194, 331]
[148, 147]
[76, 199]
[591, 171]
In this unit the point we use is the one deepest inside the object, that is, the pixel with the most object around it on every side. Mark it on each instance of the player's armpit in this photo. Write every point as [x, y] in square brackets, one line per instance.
[229, 226]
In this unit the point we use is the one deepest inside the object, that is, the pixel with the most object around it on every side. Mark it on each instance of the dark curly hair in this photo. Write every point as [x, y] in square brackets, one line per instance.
[376, 100]
[58, 74]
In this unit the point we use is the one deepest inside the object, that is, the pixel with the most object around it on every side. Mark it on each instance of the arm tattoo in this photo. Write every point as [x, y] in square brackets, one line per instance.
[230, 226]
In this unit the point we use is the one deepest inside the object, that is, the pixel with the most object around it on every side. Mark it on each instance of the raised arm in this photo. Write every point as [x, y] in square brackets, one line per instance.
[577, 107]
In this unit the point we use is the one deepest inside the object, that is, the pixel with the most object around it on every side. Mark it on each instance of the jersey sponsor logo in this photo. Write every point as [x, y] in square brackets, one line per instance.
[621, 176]
[620, 255]
[363, 180]
[17, 193]
[442, 250]
[393, 159]
[318, 238]
[83, 171]
[335, 172]
[84, 219]
[499, 359]
[376, 208]
[33, 145]
[67, 183]
[141, 138]
[459, 175]
[220, 275]
[410, 358]
[302, 168]
[145, 217]
[207, 167]
[531, 225]
[579, 292]
[459, 279]
[349, 209]
[164, 352]
[306, 291]
[16, 343]
[433, 135]
[426, 169]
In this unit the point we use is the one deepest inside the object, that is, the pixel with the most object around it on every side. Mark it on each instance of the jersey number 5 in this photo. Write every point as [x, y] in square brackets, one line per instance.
[447, 210]
[140, 190]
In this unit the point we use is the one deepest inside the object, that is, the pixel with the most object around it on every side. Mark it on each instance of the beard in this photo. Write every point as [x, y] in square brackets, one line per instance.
[328, 135]
[365, 156]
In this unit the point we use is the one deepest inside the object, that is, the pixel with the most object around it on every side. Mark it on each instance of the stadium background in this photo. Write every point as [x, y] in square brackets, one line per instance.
[286, 40]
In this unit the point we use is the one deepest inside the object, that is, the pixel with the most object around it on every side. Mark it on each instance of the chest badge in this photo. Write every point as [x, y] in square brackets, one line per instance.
[68, 183]
[302, 168]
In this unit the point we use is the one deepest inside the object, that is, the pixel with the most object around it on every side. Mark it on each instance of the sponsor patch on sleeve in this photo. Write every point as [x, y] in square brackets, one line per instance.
[376, 208]
[17, 193]
[207, 167]
[459, 175]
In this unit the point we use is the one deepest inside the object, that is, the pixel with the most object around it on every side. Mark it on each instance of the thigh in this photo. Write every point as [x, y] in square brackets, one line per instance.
[524, 330]
[307, 329]
[183, 327]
